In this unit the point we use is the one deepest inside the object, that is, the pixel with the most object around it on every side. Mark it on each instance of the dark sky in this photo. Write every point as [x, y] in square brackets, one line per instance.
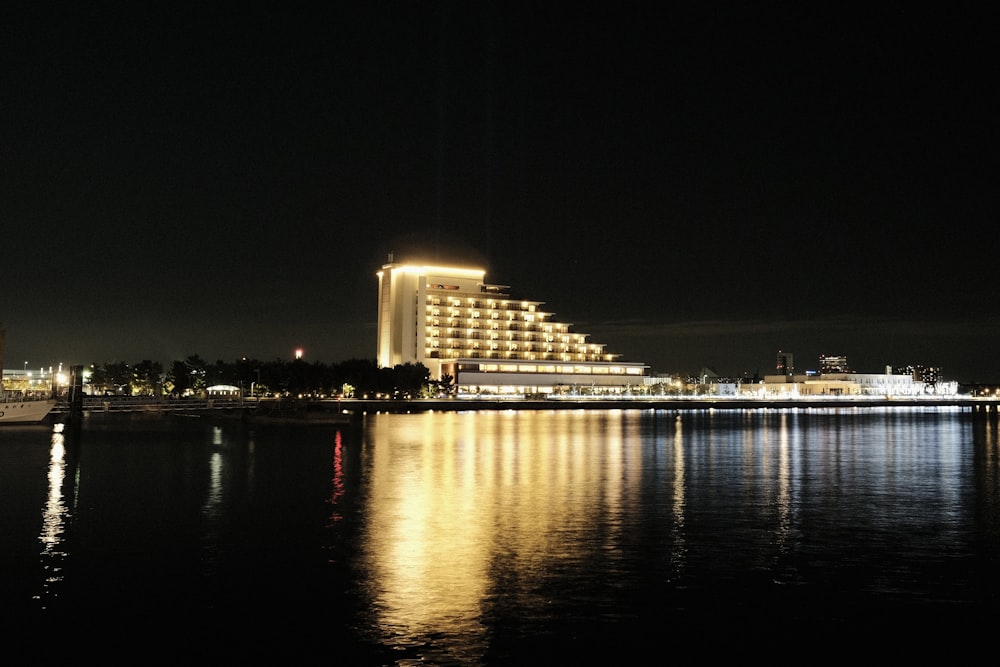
[693, 188]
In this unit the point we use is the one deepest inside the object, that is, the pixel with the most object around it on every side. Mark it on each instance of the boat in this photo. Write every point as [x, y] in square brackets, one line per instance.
[19, 409]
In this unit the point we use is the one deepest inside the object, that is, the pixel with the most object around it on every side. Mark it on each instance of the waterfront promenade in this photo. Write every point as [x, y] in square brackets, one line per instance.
[672, 403]
[325, 409]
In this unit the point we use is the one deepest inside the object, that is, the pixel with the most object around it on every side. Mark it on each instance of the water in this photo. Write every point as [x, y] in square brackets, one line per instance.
[506, 537]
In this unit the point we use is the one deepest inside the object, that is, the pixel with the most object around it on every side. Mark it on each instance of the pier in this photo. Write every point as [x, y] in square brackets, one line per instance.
[269, 409]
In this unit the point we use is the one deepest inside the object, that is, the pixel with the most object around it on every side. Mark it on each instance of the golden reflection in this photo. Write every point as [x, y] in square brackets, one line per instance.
[678, 551]
[988, 490]
[55, 515]
[459, 500]
[784, 492]
[338, 478]
[427, 546]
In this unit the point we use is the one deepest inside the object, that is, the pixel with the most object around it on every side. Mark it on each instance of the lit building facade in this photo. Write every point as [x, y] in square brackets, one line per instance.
[847, 384]
[454, 323]
[832, 364]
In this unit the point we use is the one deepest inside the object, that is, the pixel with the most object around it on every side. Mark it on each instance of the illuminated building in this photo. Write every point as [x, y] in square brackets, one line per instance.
[448, 319]
[928, 374]
[847, 384]
[832, 364]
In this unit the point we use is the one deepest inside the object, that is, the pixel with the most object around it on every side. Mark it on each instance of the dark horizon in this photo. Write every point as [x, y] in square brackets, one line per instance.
[690, 187]
[803, 365]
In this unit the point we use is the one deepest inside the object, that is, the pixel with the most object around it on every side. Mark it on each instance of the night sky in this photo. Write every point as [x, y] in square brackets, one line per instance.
[693, 188]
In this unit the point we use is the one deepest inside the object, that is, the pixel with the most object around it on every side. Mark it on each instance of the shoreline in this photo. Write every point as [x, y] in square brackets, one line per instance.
[672, 404]
[344, 411]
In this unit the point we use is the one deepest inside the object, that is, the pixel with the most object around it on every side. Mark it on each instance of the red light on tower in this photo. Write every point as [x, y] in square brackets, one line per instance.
[298, 353]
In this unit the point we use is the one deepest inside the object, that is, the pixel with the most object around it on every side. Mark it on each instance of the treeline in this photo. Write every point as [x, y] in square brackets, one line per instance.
[193, 376]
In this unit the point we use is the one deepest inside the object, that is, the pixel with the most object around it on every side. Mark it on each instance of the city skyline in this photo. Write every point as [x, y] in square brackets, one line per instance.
[694, 188]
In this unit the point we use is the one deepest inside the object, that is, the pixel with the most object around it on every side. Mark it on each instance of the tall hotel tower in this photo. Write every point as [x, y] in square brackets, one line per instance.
[448, 319]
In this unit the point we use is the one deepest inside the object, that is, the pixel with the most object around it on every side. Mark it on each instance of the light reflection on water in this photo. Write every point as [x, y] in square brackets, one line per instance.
[472, 538]
[537, 514]
[54, 517]
[454, 500]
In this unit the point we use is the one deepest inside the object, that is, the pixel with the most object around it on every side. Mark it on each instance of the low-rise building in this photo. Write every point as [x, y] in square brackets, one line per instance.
[847, 384]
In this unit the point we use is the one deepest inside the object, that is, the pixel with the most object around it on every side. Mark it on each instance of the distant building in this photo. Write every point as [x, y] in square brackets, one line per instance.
[928, 374]
[847, 384]
[223, 391]
[832, 364]
[454, 323]
[21, 380]
[664, 383]
[708, 376]
[785, 366]
[780, 386]
[835, 378]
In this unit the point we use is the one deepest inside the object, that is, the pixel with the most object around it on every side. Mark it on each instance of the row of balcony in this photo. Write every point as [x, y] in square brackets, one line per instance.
[488, 304]
[514, 347]
[474, 315]
[499, 325]
[511, 333]
[453, 336]
[523, 355]
[495, 343]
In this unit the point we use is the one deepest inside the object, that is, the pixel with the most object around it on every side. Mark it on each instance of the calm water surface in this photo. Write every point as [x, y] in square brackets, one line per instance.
[507, 537]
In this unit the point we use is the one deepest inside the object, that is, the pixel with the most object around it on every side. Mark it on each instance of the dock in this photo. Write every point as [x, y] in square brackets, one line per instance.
[270, 410]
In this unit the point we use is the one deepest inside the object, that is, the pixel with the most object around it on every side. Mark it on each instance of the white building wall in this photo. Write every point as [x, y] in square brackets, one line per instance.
[881, 384]
[866, 384]
[402, 308]
[383, 349]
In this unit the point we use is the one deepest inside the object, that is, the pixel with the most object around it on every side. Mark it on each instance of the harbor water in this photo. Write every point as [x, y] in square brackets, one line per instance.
[506, 537]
